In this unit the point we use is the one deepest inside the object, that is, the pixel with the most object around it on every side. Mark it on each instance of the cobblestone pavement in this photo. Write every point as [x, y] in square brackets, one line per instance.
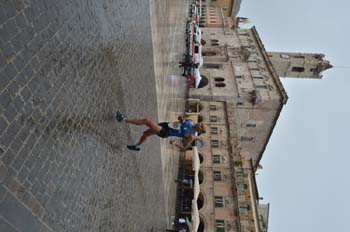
[65, 68]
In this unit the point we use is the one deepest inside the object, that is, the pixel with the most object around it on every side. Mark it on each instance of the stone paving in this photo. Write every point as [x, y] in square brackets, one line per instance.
[65, 68]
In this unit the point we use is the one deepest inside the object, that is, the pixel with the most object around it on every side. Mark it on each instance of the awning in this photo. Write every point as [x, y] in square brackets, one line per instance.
[197, 76]
[195, 216]
[195, 159]
[196, 188]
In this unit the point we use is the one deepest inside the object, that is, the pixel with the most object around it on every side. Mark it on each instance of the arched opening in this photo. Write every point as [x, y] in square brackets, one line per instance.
[201, 226]
[219, 79]
[203, 82]
[200, 177]
[199, 143]
[220, 84]
[208, 53]
[200, 201]
[201, 158]
[200, 118]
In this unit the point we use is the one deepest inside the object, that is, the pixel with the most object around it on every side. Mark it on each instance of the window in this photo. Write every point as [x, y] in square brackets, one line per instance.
[242, 186]
[214, 41]
[258, 78]
[219, 79]
[254, 69]
[220, 225]
[247, 138]
[261, 86]
[219, 202]
[298, 69]
[220, 84]
[251, 125]
[243, 209]
[217, 175]
[217, 159]
[215, 143]
[213, 66]
[212, 107]
[214, 130]
[239, 77]
[208, 53]
[213, 119]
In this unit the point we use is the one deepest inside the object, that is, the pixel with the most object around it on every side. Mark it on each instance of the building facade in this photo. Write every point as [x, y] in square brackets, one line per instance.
[240, 106]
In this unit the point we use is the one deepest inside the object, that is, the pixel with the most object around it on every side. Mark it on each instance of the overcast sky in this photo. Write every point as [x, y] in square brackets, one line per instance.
[305, 176]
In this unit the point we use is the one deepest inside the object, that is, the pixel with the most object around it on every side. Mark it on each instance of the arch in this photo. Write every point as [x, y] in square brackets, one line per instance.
[201, 158]
[219, 79]
[201, 227]
[199, 143]
[203, 82]
[200, 177]
[200, 118]
[220, 84]
[200, 201]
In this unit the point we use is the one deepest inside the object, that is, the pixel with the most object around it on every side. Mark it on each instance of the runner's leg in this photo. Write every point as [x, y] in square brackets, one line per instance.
[147, 122]
[146, 134]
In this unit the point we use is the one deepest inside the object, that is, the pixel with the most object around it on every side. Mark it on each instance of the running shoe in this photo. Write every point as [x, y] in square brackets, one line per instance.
[120, 117]
[134, 147]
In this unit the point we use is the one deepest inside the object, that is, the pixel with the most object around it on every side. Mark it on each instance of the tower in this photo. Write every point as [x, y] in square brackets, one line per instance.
[299, 65]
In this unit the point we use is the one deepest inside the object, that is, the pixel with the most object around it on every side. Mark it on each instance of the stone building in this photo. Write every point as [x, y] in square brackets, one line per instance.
[229, 7]
[240, 106]
[219, 14]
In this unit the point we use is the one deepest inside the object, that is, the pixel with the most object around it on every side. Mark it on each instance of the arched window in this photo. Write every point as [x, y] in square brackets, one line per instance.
[200, 201]
[219, 79]
[201, 227]
[201, 159]
[203, 82]
[200, 177]
[220, 84]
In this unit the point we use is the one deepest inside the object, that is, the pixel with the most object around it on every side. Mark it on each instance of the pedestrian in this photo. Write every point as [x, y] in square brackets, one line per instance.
[184, 128]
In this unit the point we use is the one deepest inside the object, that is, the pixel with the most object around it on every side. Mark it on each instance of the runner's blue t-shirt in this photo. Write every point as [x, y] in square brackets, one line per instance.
[184, 128]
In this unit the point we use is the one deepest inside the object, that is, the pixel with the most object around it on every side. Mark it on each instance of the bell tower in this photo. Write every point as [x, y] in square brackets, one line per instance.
[299, 65]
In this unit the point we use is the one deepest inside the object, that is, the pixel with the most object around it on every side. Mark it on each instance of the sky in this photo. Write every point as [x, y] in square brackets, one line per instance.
[305, 174]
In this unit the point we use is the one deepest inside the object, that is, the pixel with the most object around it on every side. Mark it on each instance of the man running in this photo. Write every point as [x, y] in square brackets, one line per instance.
[186, 129]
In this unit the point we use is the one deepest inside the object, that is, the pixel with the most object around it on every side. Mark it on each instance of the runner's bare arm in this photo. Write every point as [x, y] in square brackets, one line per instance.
[189, 139]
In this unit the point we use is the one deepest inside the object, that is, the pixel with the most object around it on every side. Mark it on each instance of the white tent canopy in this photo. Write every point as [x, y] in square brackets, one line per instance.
[195, 216]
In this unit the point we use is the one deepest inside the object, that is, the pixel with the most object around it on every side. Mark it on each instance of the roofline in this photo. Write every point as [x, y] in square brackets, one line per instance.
[270, 66]
[280, 87]
[254, 179]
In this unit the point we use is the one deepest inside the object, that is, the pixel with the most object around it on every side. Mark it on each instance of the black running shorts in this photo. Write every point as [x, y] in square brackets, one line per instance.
[164, 132]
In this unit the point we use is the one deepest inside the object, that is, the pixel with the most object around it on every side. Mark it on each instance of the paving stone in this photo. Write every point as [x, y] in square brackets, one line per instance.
[5, 226]
[18, 215]
[65, 68]
[3, 125]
